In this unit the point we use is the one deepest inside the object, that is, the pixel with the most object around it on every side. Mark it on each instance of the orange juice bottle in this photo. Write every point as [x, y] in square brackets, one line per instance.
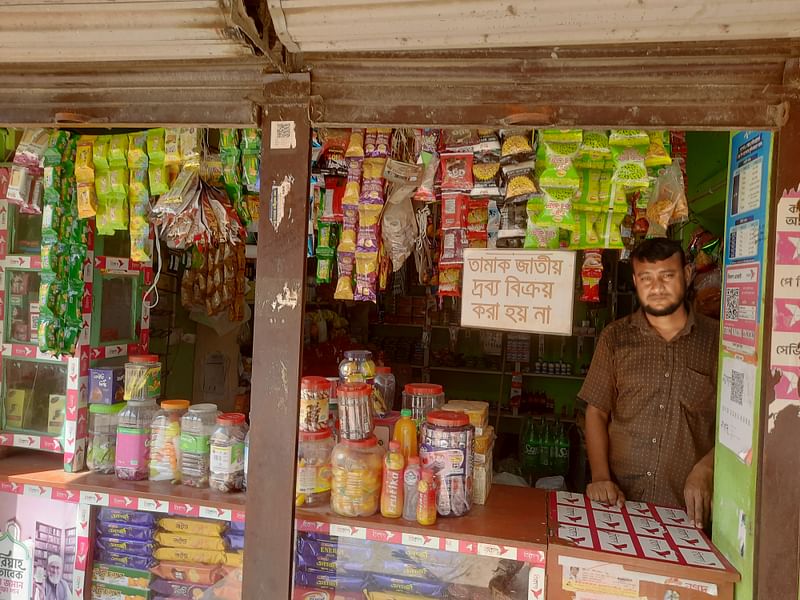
[392, 490]
[405, 432]
[426, 502]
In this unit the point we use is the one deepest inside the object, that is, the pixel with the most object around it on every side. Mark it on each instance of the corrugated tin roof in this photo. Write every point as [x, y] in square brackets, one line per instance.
[118, 30]
[357, 25]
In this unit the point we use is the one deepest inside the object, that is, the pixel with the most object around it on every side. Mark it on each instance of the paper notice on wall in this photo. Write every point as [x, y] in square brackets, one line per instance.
[737, 401]
[282, 135]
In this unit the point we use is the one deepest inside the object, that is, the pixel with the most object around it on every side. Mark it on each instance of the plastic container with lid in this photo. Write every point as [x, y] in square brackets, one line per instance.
[314, 398]
[314, 468]
[357, 367]
[197, 425]
[165, 441]
[132, 460]
[143, 377]
[357, 467]
[383, 391]
[422, 398]
[227, 453]
[103, 419]
[355, 411]
[447, 448]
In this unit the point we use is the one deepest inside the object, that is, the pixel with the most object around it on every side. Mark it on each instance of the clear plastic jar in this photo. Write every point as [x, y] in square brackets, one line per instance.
[355, 411]
[132, 460]
[103, 419]
[165, 441]
[314, 468]
[383, 391]
[227, 453]
[448, 443]
[197, 425]
[422, 398]
[357, 468]
[357, 367]
[143, 377]
[246, 458]
[314, 398]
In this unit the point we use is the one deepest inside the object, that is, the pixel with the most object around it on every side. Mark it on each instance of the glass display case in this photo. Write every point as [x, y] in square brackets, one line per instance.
[34, 396]
[22, 306]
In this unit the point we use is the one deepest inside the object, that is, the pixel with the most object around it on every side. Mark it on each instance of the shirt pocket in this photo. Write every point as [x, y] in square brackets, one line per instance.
[698, 394]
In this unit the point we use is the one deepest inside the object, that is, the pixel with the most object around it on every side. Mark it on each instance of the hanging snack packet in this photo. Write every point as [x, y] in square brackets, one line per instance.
[608, 228]
[355, 145]
[585, 234]
[460, 140]
[231, 166]
[520, 179]
[541, 237]
[137, 149]
[117, 152]
[492, 223]
[368, 239]
[325, 258]
[333, 161]
[366, 277]
[629, 137]
[84, 165]
[591, 275]
[19, 185]
[56, 145]
[383, 137]
[488, 143]
[52, 181]
[372, 192]
[517, 145]
[100, 149]
[629, 167]
[486, 172]
[594, 151]
[557, 209]
[453, 243]
[449, 281]
[345, 262]
[425, 191]
[477, 214]
[155, 146]
[250, 172]
[228, 138]
[453, 207]
[172, 150]
[560, 171]
[251, 140]
[372, 168]
[657, 155]
[158, 178]
[87, 201]
[31, 147]
[672, 177]
[191, 145]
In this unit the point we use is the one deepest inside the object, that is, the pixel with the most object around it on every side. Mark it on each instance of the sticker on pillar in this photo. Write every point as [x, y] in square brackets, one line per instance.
[282, 135]
[277, 201]
[17, 574]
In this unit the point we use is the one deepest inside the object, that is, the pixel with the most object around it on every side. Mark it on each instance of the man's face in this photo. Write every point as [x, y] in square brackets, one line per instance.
[661, 285]
[54, 572]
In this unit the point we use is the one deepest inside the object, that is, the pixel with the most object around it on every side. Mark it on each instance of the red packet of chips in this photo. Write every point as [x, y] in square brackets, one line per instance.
[456, 170]
[453, 209]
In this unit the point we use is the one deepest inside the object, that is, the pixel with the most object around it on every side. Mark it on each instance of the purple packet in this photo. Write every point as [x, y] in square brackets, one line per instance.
[405, 585]
[127, 532]
[234, 541]
[137, 548]
[372, 191]
[368, 239]
[126, 560]
[351, 582]
[178, 589]
[236, 526]
[127, 517]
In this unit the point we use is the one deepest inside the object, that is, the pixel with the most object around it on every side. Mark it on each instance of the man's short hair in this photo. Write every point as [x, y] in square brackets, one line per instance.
[55, 559]
[656, 249]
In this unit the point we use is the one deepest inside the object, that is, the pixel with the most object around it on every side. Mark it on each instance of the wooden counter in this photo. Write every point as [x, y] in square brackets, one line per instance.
[41, 474]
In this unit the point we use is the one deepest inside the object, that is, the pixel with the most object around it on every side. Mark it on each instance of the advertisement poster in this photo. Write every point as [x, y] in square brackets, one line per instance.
[748, 193]
[737, 400]
[42, 536]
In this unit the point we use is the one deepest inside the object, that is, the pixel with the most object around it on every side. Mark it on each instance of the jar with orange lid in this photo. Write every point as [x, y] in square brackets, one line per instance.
[355, 410]
[165, 441]
[421, 398]
[314, 468]
[314, 396]
[357, 467]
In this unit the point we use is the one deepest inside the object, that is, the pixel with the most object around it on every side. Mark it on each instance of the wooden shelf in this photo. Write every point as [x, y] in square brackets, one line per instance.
[500, 524]
[41, 474]
[467, 370]
[549, 376]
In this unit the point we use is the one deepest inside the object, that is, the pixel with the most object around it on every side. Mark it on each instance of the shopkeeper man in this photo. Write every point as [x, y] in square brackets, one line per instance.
[651, 393]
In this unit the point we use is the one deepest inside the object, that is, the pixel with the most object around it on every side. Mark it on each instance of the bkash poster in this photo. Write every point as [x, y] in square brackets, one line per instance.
[38, 544]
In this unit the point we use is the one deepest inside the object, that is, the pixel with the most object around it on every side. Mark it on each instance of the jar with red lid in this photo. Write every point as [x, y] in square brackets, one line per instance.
[314, 468]
[357, 467]
[143, 377]
[355, 410]
[314, 397]
[227, 453]
[421, 398]
[447, 447]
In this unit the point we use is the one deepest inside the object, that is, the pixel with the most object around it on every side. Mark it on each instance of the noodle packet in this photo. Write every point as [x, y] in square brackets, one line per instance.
[486, 172]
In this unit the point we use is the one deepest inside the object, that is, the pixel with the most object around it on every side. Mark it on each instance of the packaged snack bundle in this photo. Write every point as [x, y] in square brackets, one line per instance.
[591, 275]
[517, 145]
[629, 149]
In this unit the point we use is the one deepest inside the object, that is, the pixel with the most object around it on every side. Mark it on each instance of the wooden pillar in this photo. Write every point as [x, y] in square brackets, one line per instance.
[778, 522]
[278, 339]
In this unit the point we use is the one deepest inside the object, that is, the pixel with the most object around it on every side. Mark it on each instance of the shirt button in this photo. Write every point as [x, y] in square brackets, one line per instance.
[661, 406]
[649, 473]
[655, 440]
[666, 374]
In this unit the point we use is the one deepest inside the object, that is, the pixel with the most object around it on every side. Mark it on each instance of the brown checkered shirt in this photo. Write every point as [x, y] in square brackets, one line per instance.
[661, 398]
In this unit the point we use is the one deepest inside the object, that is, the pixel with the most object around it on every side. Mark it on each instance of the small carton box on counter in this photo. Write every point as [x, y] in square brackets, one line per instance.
[477, 411]
[106, 385]
[55, 414]
[482, 479]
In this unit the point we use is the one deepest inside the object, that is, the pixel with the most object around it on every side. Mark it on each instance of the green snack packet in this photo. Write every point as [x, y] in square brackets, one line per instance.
[325, 262]
[557, 210]
[629, 137]
[51, 221]
[119, 180]
[56, 145]
[118, 151]
[159, 180]
[137, 149]
[102, 220]
[74, 300]
[79, 233]
[155, 146]
[77, 259]
[228, 138]
[326, 235]
[47, 333]
[563, 136]
[52, 181]
[608, 230]
[49, 289]
[560, 172]
[118, 212]
[231, 167]
[100, 153]
[71, 332]
[50, 257]
[536, 236]
[629, 167]
[585, 235]
[102, 185]
[250, 174]
[239, 203]
[594, 151]
[251, 140]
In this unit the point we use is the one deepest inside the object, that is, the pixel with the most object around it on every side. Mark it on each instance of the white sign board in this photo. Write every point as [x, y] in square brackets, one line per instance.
[518, 290]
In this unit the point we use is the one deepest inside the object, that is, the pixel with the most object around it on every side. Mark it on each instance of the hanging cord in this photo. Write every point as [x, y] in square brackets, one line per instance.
[422, 252]
[154, 287]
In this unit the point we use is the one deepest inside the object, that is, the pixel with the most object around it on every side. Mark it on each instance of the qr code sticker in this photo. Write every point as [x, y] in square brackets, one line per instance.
[282, 135]
[732, 304]
[737, 387]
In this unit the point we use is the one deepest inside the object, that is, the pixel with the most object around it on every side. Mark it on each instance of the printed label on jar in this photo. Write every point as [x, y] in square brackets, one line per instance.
[313, 479]
[227, 459]
[133, 447]
[195, 444]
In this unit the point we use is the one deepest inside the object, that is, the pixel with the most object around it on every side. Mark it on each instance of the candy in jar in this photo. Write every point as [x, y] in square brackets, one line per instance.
[357, 467]
[197, 425]
[132, 459]
[103, 419]
[227, 453]
[314, 397]
[357, 367]
[165, 439]
[448, 442]
[314, 468]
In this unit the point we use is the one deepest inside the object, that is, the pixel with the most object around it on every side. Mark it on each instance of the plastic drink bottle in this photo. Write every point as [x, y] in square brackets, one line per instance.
[426, 499]
[392, 490]
[405, 432]
[411, 478]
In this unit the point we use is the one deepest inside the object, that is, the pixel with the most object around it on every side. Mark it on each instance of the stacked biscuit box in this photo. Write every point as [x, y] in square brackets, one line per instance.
[478, 413]
[141, 555]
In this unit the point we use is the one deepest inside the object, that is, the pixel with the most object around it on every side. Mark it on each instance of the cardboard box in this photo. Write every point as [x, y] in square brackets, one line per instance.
[484, 441]
[17, 403]
[55, 415]
[33, 325]
[478, 412]
[482, 479]
[106, 385]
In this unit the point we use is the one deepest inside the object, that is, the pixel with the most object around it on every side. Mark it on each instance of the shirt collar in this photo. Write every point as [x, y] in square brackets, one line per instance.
[639, 320]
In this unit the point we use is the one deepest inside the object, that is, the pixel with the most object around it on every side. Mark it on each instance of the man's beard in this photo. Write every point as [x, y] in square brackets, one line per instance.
[662, 312]
[53, 579]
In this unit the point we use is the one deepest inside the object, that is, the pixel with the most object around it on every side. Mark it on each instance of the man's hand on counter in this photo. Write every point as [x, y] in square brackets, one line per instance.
[698, 490]
[606, 492]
